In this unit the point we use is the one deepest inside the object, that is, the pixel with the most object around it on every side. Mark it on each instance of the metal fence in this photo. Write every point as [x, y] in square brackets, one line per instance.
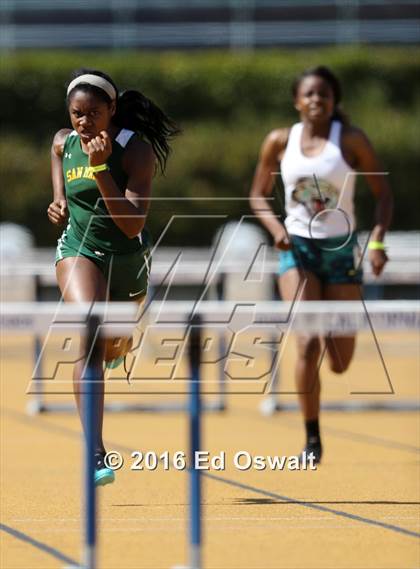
[187, 24]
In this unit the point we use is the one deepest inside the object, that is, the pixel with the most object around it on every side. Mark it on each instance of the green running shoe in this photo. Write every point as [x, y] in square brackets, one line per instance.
[112, 364]
[103, 474]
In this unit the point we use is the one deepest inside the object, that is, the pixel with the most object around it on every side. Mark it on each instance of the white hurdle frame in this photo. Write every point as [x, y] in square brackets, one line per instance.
[350, 316]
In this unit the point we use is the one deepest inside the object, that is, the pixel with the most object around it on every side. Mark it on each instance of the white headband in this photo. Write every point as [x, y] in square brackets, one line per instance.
[95, 80]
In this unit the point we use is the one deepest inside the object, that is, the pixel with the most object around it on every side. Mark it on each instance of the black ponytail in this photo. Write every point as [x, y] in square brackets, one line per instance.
[332, 80]
[137, 112]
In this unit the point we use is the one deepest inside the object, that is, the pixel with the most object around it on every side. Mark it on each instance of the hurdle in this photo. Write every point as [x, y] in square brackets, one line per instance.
[90, 410]
[269, 317]
[402, 269]
[89, 379]
[271, 403]
[194, 525]
[309, 316]
[44, 276]
[317, 317]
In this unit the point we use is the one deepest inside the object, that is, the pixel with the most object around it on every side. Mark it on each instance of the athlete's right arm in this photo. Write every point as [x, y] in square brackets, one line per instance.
[57, 210]
[262, 186]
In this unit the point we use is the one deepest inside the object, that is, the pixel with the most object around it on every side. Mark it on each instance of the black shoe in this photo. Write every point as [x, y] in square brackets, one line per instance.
[312, 448]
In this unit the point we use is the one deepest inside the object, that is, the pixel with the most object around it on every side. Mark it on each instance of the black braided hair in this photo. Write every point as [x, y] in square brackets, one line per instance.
[332, 80]
[136, 112]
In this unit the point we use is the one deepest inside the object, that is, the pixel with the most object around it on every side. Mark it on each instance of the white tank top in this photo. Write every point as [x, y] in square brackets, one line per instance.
[314, 186]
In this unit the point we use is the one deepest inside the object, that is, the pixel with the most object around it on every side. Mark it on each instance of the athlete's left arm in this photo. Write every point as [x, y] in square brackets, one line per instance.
[128, 212]
[365, 160]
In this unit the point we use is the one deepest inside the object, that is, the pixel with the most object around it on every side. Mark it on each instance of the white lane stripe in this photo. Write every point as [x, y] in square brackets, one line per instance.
[216, 527]
[211, 519]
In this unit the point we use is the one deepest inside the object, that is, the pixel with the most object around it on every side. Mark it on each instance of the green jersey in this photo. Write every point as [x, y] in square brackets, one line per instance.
[90, 221]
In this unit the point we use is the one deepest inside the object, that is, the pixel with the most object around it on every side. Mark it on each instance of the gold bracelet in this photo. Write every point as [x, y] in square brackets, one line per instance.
[376, 245]
[100, 168]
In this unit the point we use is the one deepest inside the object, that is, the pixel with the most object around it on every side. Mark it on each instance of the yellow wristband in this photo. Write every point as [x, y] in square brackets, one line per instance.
[100, 168]
[375, 245]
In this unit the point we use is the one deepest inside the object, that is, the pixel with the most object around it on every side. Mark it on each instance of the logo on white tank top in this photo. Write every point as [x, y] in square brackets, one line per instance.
[315, 196]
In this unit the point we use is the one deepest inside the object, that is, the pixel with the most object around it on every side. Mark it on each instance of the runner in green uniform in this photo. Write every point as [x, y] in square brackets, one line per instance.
[102, 172]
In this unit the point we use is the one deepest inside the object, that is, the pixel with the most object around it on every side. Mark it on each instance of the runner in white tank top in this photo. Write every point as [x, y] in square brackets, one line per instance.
[318, 160]
[315, 184]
